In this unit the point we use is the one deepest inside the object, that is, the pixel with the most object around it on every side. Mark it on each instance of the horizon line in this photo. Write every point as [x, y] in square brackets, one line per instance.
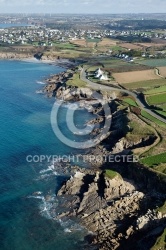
[61, 13]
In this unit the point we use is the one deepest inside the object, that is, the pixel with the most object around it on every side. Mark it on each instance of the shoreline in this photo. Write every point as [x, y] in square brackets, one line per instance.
[35, 58]
[63, 63]
[101, 214]
[94, 210]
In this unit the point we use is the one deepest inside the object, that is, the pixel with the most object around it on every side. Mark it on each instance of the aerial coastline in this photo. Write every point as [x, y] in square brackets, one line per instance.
[118, 195]
[132, 190]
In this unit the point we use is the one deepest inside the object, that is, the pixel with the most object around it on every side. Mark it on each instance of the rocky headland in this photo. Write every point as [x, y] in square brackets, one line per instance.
[31, 56]
[114, 209]
[117, 202]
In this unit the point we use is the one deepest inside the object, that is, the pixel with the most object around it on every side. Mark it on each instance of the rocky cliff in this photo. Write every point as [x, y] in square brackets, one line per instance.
[14, 55]
[111, 207]
[120, 209]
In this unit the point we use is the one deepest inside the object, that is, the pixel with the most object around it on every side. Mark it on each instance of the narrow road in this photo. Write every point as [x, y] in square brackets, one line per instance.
[103, 87]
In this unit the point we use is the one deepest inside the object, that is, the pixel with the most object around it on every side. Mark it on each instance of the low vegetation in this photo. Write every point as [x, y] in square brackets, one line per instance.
[130, 101]
[152, 119]
[162, 209]
[156, 90]
[146, 85]
[153, 62]
[162, 113]
[160, 168]
[154, 160]
[160, 242]
[156, 99]
[110, 174]
[76, 81]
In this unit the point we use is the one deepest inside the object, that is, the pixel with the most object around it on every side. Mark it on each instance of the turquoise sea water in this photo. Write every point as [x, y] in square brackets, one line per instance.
[25, 129]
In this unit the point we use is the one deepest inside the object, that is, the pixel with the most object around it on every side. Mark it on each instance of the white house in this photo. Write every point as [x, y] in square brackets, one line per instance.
[98, 73]
[101, 75]
[104, 77]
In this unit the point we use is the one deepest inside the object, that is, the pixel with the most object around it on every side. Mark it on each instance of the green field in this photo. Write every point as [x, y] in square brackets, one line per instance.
[157, 90]
[95, 40]
[65, 45]
[93, 68]
[160, 112]
[138, 132]
[116, 48]
[156, 99]
[153, 62]
[163, 106]
[130, 102]
[76, 81]
[153, 119]
[108, 63]
[117, 63]
[146, 84]
[154, 160]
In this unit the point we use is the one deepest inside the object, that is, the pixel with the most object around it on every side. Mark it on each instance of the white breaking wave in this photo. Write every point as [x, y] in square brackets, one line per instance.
[68, 105]
[67, 230]
[36, 197]
[46, 205]
[48, 172]
[50, 168]
[39, 82]
[47, 209]
[43, 176]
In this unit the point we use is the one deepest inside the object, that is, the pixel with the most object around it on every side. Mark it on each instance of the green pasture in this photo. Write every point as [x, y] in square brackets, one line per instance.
[95, 40]
[159, 89]
[156, 99]
[152, 119]
[154, 160]
[76, 81]
[145, 84]
[130, 102]
[153, 62]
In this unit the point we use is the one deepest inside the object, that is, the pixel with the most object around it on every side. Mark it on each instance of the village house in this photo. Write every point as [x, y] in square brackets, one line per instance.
[101, 75]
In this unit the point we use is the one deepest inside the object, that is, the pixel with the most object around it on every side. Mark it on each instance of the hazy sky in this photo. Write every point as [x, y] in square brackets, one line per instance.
[83, 6]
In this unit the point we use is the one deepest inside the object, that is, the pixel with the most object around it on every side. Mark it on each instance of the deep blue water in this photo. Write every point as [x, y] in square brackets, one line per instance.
[25, 129]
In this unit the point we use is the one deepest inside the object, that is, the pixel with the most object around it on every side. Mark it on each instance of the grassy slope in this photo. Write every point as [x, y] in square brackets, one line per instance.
[154, 160]
[153, 62]
[130, 102]
[76, 81]
[69, 50]
[138, 132]
[111, 174]
[156, 90]
[153, 119]
[156, 99]
[160, 112]
[145, 84]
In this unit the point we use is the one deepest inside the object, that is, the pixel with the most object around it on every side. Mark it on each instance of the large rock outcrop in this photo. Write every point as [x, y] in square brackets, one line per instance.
[100, 203]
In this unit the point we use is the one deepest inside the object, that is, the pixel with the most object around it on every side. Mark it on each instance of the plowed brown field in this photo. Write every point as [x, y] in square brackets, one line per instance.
[135, 76]
[162, 71]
